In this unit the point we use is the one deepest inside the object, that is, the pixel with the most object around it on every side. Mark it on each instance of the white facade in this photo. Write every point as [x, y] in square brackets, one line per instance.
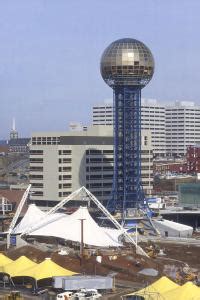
[102, 114]
[62, 162]
[173, 127]
[182, 127]
[173, 229]
[152, 118]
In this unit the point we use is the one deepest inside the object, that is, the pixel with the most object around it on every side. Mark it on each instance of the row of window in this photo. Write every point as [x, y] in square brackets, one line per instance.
[64, 185]
[40, 160]
[64, 169]
[64, 177]
[36, 177]
[96, 152]
[36, 152]
[36, 160]
[101, 176]
[100, 159]
[64, 160]
[36, 169]
[37, 185]
[64, 194]
[46, 143]
[99, 185]
[38, 193]
[64, 152]
[99, 168]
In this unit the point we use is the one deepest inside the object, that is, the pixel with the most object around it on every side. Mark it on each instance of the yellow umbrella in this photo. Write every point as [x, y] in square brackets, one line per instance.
[160, 286]
[18, 265]
[4, 260]
[45, 269]
[188, 291]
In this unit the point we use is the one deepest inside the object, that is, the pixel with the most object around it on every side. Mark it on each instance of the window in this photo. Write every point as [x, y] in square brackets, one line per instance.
[145, 140]
[107, 151]
[95, 160]
[36, 160]
[65, 152]
[93, 152]
[36, 152]
[65, 194]
[95, 185]
[36, 176]
[67, 160]
[64, 177]
[108, 168]
[66, 169]
[35, 169]
[38, 193]
[37, 185]
[95, 177]
[67, 185]
[64, 160]
[94, 169]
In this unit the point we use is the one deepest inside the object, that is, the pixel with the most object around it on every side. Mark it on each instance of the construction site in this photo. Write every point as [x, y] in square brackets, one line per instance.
[42, 252]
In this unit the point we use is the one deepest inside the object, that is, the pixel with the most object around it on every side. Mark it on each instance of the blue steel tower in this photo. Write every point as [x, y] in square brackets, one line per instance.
[127, 65]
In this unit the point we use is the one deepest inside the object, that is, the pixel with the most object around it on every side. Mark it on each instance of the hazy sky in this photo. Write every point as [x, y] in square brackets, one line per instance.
[50, 52]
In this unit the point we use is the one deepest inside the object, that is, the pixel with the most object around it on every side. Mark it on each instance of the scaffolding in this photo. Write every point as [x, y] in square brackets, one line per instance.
[127, 188]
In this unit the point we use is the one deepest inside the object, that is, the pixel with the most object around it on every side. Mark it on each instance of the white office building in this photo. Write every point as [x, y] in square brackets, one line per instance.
[61, 162]
[152, 118]
[182, 127]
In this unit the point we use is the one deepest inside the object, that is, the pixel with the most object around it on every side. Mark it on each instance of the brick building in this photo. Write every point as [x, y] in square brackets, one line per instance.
[193, 159]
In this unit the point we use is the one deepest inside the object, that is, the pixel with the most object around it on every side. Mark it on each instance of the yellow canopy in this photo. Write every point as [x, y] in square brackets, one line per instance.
[45, 269]
[160, 286]
[4, 260]
[17, 266]
[188, 291]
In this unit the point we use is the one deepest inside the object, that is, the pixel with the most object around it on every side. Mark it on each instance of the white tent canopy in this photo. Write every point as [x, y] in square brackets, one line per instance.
[69, 228]
[35, 216]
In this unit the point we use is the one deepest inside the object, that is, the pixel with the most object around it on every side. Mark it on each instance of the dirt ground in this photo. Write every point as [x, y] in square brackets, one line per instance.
[125, 266]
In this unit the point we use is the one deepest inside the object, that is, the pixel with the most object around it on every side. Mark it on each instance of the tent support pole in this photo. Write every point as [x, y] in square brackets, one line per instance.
[82, 243]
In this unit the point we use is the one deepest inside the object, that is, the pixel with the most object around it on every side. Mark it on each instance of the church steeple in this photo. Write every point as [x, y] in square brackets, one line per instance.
[13, 132]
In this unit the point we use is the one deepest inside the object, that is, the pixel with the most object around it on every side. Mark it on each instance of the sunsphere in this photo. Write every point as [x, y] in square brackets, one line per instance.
[127, 62]
[127, 65]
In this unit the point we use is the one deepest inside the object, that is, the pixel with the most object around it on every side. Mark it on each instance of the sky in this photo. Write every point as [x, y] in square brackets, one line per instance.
[50, 52]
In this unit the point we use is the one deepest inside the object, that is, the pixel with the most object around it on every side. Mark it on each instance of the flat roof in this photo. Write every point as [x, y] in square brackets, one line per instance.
[173, 212]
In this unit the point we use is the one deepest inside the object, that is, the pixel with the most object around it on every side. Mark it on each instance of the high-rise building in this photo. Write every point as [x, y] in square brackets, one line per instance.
[152, 118]
[127, 65]
[173, 127]
[102, 114]
[61, 162]
[182, 127]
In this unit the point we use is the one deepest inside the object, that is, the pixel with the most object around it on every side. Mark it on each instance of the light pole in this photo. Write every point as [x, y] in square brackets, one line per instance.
[82, 242]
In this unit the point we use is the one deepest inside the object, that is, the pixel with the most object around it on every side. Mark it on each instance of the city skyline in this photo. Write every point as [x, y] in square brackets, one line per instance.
[50, 54]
